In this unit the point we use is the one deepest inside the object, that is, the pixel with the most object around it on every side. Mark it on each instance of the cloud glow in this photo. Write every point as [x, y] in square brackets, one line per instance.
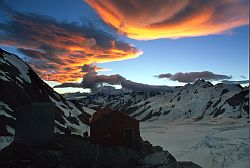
[151, 19]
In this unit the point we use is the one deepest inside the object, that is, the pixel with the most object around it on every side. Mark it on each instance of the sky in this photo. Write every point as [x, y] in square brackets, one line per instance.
[155, 43]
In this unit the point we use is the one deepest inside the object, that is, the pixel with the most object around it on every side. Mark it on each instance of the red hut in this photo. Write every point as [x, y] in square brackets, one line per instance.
[112, 127]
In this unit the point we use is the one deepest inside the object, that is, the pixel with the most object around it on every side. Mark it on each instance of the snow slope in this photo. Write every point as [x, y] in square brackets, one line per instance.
[213, 143]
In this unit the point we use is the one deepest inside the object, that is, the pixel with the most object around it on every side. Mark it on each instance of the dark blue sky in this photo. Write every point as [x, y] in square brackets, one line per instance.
[221, 54]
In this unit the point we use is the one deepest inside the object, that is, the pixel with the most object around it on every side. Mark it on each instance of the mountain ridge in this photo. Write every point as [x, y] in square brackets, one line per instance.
[200, 100]
[20, 85]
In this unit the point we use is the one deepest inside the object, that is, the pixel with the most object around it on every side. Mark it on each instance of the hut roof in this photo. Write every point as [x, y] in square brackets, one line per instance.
[105, 111]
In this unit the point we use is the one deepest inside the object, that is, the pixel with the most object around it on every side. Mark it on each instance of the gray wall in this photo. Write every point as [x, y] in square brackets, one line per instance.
[35, 123]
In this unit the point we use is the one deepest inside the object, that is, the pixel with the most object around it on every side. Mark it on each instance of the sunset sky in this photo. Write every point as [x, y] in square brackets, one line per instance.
[152, 42]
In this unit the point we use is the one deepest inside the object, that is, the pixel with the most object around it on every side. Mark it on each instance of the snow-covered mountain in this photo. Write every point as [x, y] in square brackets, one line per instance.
[20, 85]
[200, 100]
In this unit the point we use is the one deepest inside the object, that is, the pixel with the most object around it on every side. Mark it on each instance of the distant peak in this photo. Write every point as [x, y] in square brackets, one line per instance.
[201, 81]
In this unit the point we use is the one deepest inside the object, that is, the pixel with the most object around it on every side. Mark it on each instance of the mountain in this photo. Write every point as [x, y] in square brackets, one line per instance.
[200, 100]
[20, 85]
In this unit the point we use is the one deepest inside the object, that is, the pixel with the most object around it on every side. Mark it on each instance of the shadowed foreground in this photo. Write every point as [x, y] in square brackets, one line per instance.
[73, 151]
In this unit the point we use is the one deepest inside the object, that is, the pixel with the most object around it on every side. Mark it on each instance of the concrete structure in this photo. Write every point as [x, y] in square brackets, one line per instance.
[35, 123]
[112, 127]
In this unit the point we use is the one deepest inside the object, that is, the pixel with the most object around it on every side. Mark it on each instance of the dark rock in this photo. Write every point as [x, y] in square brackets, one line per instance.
[73, 151]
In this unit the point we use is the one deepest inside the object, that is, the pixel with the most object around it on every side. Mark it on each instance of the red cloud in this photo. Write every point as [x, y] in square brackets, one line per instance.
[57, 51]
[153, 19]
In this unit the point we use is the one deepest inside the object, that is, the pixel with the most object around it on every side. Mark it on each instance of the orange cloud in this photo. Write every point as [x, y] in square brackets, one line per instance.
[154, 19]
[58, 51]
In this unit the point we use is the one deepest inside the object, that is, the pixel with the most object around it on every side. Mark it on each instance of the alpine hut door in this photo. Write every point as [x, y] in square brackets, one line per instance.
[128, 137]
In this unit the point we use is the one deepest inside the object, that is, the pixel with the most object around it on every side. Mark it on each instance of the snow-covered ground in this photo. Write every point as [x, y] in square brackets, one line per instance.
[5, 141]
[88, 110]
[211, 144]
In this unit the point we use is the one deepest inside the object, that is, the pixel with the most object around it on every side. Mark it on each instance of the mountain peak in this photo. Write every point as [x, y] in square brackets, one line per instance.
[202, 82]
